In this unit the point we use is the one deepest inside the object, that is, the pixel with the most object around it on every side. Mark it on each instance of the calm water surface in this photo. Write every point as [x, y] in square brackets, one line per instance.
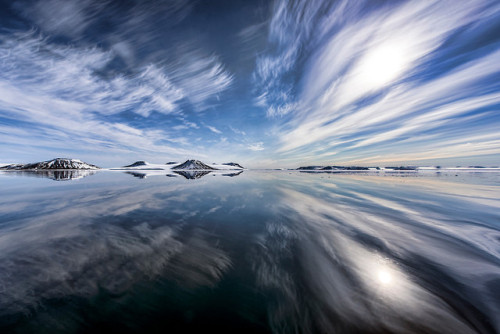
[263, 252]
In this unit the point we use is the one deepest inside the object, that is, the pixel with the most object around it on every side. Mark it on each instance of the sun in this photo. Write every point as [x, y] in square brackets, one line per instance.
[384, 277]
[383, 64]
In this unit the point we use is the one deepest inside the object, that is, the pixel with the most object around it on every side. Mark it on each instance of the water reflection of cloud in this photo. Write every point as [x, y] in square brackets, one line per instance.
[78, 245]
[337, 240]
[339, 255]
[187, 174]
[110, 258]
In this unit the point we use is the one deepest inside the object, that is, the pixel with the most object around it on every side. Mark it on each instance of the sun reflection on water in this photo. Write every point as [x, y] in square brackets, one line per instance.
[384, 277]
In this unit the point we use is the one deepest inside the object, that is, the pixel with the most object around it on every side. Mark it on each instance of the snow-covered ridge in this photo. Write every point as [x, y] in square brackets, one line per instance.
[138, 164]
[394, 168]
[58, 163]
[233, 164]
[193, 165]
[187, 165]
[190, 169]
[329, 168]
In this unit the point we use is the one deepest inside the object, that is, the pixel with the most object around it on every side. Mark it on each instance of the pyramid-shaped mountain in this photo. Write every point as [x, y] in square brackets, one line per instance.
[193, 165]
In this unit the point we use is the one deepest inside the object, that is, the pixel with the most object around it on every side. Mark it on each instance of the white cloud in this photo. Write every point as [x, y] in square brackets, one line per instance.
[237, 131]
[280, 110]
[256, 146]
[438, 99]
[56, 87]
[52, 87]
[368, 78]
[213, 129]
[61, 16]
[69, 74]
[203, 78]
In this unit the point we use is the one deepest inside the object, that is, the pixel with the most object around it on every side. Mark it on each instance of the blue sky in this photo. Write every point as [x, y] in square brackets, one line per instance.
[266, 84]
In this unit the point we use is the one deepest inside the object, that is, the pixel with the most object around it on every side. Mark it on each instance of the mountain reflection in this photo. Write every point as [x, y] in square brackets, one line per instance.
[267, 252]
[187, 174]
[192, 174]
[57, 175]
[138, 175]
[233, 174]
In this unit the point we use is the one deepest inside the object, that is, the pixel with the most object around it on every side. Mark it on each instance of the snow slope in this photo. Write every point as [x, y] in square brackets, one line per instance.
[190, 169]
[58, 163]
[187, 165]
[193, 165]
[228, 166]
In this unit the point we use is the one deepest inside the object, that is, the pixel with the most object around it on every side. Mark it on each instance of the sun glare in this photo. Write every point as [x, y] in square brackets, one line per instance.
[384, 277]
[383, 65]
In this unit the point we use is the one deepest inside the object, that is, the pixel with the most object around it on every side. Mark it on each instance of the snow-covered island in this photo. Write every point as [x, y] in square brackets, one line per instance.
[187, 165]
[330, 168]
[190, 169]
[57, 163]
[66, 163]
[197, 165]
[316, 168]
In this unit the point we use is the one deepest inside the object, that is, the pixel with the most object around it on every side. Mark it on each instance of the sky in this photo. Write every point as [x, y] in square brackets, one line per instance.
[262, 83]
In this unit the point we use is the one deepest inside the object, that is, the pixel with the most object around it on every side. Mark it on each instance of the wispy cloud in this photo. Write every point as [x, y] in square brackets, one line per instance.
[72, 18]
[237, 131]
[378, 76]
[277, 71]
[256, 146]
[135, 39]
[72, 74]
[213, 129]
[69, 18]
[309, 81]
[201, 77]
[63, 88]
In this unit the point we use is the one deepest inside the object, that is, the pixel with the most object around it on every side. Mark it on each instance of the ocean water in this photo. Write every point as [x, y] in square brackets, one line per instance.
[256, 252]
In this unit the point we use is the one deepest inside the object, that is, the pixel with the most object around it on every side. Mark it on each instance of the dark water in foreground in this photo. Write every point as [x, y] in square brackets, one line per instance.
[260, 252]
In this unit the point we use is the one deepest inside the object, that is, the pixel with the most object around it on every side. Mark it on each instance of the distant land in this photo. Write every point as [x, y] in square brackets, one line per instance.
[188, 165]
[197, 165]
[387, 168]
[67, 163]
[57, 163]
